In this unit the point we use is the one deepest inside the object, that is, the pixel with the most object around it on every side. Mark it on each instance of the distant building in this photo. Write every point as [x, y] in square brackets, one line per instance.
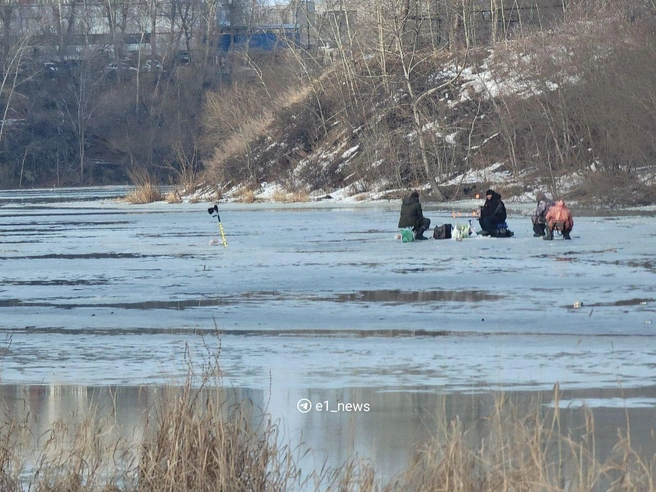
[266, 38]
[64, 29]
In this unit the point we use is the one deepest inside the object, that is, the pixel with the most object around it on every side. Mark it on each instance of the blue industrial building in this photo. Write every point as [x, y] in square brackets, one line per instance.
[264, 37]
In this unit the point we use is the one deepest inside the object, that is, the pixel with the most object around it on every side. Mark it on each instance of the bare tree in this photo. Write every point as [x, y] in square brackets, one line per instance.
[12, 58]
[79, 99]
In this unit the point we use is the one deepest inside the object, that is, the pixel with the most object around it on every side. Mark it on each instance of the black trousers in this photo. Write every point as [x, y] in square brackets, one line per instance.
[423, 226]
[489, 224]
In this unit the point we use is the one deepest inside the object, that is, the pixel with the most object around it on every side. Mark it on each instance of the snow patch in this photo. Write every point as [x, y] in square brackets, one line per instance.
[490, 174]
[350, 152]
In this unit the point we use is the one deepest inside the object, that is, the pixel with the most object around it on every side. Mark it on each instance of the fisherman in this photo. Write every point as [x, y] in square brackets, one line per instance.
[538, 217]
[492, 216]
[412, 216]
[559, 218]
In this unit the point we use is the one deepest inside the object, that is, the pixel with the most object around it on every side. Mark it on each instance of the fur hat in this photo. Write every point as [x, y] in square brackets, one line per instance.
[414, 194]
[489, 192]
[540, 196]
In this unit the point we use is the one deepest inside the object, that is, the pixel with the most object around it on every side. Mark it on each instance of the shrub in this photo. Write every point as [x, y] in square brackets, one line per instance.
[173, 196]
[146, 189]
[146, 193]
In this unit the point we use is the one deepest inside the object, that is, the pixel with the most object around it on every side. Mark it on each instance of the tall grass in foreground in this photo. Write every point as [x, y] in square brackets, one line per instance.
[193, 439]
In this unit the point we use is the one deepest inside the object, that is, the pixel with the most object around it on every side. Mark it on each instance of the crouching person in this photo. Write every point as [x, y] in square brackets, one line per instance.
[538, 218]
[412, 216]
[559, 218]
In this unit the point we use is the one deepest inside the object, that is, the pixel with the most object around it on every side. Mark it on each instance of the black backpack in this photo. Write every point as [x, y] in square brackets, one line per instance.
[442, 232]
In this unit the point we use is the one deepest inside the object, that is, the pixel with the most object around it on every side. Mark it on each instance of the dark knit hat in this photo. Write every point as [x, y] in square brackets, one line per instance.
[489, 192]
[414, 194]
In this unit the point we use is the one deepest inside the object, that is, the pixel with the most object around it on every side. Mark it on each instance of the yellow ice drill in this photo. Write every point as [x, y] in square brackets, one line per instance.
[215, 210]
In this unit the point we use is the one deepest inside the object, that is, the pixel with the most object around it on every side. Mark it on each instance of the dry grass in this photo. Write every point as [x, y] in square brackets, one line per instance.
[146, 191]
[199, 443]
[173, 196]
[299, 197]
[246, 196]
[252, 121]
[280, 196]
[195, 439]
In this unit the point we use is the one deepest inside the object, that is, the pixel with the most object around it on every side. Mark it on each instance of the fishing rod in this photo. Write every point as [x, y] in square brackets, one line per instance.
[215, 210]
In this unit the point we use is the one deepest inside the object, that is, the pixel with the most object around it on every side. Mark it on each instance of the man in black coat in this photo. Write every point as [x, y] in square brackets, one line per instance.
[493, 212]
[412, 216]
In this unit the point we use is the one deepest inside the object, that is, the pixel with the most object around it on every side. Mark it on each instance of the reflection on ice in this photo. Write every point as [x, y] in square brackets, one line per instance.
[400, 297]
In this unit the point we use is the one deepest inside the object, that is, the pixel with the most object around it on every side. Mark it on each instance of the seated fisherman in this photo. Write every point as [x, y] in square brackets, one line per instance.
[538, 217]
[412, 216]
[559, 218]
[492, 213]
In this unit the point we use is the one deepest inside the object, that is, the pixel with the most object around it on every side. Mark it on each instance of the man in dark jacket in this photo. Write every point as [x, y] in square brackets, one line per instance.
[539, 214]
[493, 212]
[412, 216]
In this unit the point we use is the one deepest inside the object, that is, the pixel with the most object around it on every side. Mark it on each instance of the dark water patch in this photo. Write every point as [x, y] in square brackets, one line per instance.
[27, 231]
[94, 256]
[140, 305]
[411, 270]
[564, 259]
[408, 297]
[354, 264]
[317, 251]
[24, 241]
[55, 282]
[21, 231]
[648, 265]
[622, 302]
[342, 240]
[570, 255]
[262, 294]
[370, 231]
[75, 212]
[299, 333]
[84, 256]
[166, 234]
[374, 296]
[40, 226]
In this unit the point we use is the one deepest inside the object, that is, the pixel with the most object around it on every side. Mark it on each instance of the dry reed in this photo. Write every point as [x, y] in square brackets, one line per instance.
[146, 189]
[280, 196]
[197, 438]
[247, 196]
[174, 196]
[146, 193]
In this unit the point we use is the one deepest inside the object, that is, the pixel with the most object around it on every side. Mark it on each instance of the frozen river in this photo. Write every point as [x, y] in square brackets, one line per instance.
[322, 300]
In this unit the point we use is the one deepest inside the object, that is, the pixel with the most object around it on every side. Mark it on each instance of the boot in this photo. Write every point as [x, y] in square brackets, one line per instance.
[548, 234]
[566, 235]
[420, 234]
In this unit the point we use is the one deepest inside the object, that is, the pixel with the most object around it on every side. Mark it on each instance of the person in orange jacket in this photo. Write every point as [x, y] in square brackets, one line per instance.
[559, 218]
